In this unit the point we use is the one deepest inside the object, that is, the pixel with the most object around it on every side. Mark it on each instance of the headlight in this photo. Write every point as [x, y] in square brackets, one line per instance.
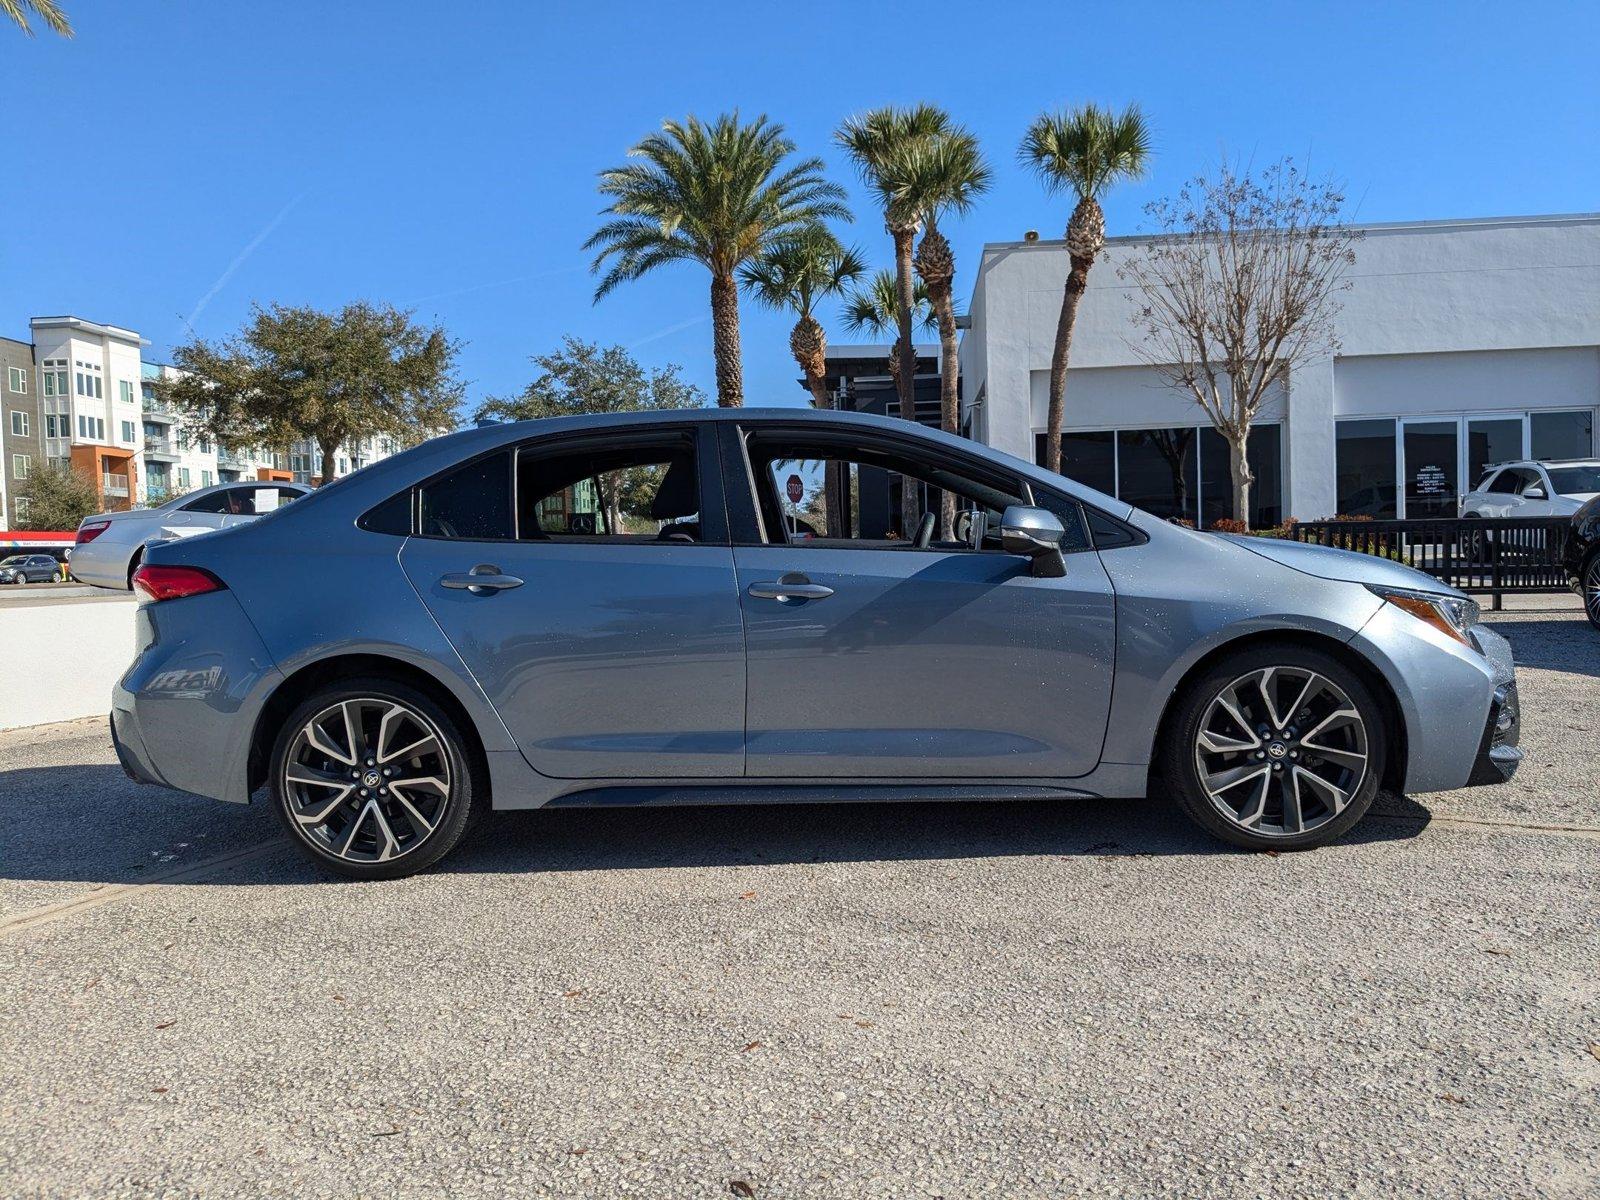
[1450, 615]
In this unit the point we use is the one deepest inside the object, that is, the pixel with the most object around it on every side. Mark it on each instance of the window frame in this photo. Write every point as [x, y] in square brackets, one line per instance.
[21, 425]
[700, 434]
[17, 378]
[744, 503]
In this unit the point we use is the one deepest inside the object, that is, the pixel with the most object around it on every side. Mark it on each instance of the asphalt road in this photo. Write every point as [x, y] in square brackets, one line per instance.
[966, 1000]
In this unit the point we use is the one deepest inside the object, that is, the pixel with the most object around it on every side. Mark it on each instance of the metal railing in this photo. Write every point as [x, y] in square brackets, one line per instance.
[113, 485]
[1497, 555]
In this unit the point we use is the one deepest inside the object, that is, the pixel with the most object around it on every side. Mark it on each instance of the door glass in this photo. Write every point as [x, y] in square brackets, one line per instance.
[646, 492]
[471, 502]
[1492, 441]
[1089, 458]
[1364, 467]
[1430, 464]
[1562, 434]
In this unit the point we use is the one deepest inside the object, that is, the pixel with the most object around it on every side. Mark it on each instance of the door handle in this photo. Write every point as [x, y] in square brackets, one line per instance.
[793, 586]
[481, 580]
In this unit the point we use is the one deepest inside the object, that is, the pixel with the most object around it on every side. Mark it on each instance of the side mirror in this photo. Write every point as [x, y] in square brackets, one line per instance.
[1036, 534]
[1533, 493]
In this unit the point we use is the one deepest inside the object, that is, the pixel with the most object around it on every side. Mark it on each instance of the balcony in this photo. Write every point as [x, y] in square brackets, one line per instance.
[154, 410]
[159, 450]
[113, 485]
[229, 460]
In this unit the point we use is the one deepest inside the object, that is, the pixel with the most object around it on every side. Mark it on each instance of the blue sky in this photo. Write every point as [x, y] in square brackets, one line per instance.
[176, 161]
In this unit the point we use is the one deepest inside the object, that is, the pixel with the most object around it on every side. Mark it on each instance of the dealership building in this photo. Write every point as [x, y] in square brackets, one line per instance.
[1461, 343]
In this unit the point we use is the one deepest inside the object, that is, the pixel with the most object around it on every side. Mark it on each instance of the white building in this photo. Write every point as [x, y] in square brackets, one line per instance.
[1462, 343]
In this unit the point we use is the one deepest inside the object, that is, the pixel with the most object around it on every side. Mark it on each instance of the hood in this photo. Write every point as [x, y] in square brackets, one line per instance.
[1348, 566]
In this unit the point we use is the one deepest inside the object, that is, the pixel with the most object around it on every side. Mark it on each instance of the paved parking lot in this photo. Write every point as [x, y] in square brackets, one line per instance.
[916, 1000]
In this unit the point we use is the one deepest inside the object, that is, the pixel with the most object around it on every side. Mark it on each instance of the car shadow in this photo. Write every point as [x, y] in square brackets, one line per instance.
[91, 824]
[1571, 645]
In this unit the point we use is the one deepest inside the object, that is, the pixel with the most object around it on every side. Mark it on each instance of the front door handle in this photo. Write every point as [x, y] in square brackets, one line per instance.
[793, 586]
[481, 580]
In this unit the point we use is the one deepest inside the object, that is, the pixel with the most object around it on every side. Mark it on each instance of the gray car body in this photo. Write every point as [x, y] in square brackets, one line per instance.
[29, 568]
[926, 670]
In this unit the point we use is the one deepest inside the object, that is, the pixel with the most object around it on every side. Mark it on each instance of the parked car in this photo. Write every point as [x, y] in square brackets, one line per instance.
[29, 568]
[1582, 558]
[110, 546]
[610, 610]
[1533, 489]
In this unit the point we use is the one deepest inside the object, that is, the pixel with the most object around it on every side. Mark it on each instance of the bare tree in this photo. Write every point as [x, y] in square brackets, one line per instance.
[1237, 288]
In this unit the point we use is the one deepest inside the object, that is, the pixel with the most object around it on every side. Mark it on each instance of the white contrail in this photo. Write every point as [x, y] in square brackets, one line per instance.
[239, 260]
[669, 331]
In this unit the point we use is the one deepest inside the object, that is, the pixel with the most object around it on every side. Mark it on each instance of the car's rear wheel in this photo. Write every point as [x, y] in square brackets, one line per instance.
[1591, 590]
[1277, 748]
[374, 780]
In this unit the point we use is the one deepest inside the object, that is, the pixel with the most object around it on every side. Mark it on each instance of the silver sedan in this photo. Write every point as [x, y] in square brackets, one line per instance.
[110, 546]
[754, 606]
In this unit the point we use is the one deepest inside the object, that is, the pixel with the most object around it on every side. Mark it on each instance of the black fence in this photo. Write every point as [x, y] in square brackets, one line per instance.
[1499, 555]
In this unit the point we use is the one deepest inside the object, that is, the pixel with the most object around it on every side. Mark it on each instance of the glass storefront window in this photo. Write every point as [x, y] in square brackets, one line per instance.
[1561, 434]
[1491, 440]
[1158, 470]
[1364, 458]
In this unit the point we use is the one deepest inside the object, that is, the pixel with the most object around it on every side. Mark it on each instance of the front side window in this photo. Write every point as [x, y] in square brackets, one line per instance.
[1506, 483]
[647, 491]
[819, 492]
[472, 502]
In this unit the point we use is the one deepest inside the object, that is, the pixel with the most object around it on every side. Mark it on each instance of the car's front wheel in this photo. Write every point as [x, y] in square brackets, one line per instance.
[1277, 747]
[374, 780]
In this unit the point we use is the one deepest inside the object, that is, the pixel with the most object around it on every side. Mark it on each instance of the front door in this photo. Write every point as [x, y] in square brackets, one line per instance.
[605, 631]
[1432, 483]
[891, 653]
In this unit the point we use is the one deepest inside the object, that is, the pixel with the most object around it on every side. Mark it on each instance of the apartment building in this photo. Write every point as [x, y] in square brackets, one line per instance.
[20, 449]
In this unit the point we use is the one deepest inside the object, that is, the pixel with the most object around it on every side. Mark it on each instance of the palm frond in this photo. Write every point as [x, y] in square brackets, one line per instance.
[1087, 149]
[47, 11]
[797, 270]
[874, 308]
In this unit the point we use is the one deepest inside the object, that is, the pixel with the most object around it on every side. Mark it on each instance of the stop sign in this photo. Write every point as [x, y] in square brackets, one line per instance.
[795, 488]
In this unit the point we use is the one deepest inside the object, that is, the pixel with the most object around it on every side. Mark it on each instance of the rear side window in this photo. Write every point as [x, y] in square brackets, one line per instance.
[472, 502]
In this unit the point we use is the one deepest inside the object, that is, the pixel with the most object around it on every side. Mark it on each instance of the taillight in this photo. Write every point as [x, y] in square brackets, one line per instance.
[88, 533]
[171, 583]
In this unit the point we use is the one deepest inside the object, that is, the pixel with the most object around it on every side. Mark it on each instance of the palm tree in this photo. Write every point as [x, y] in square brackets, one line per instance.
[716, 194]
[1083, 150]
[875, 309]
[794, 274]
[948, 173]
[47, 11]
[883, 144]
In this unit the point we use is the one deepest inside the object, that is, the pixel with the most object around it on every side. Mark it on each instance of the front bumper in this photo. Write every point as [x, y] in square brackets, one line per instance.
[1499, 756]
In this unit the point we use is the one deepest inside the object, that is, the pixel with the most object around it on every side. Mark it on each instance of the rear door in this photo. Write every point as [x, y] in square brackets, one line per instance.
[936, 661]
[606, 630]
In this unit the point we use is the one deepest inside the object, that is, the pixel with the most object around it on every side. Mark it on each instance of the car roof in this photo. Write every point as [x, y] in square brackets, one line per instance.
[1544, 462]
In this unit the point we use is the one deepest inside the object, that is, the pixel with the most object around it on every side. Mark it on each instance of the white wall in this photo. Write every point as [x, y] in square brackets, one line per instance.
[59, 659]
[1428, 303]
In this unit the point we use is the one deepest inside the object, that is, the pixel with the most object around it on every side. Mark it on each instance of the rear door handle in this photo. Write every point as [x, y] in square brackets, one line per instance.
[481, 580]
[793, 586]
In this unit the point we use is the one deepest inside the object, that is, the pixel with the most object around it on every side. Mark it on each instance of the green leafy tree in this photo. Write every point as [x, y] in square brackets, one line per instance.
[58, 498]
[1082, 151]
[47, 11]
[581, 377]
[295, 374]
[793, 275]
[718, 194]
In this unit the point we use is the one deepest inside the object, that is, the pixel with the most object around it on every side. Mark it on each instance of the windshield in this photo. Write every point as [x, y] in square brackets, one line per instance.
[16, 560]
[1569, 481]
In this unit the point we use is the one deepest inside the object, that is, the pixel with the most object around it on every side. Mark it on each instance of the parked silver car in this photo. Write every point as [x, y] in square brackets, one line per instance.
[110, 546]
[723, 607]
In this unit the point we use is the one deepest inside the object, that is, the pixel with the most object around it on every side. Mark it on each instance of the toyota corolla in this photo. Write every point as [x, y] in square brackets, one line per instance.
[748, 606]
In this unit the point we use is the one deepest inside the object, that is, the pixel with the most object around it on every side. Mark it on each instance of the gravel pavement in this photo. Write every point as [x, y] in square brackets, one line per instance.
[1008, 1000]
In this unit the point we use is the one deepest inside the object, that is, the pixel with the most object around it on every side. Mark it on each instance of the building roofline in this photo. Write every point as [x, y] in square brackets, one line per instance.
[1378, 227]
[87, 326]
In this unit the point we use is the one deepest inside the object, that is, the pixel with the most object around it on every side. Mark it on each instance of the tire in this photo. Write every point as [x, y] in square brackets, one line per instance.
[1310, 757]
[317, 793]
[1590, 589]
[20, 579]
